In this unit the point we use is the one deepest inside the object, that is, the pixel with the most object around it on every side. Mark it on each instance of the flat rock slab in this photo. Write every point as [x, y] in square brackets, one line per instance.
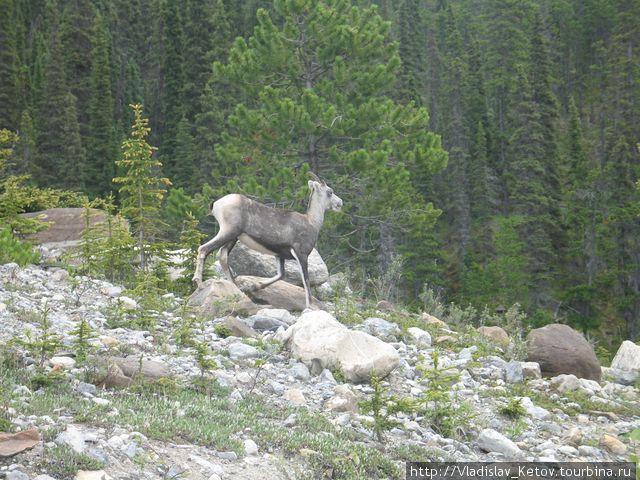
[65, 224]
[279, 294]
[14, 443]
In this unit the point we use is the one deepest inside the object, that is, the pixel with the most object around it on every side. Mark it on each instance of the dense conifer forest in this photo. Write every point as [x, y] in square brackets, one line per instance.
[486, 150]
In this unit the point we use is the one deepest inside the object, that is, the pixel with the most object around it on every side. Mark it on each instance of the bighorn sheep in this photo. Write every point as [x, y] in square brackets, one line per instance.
[283, 233]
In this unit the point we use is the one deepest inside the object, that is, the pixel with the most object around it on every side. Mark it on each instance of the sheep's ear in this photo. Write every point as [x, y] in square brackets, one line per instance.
[310, 183]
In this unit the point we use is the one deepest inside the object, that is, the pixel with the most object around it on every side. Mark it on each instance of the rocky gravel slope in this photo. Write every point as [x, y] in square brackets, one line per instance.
[260, 412]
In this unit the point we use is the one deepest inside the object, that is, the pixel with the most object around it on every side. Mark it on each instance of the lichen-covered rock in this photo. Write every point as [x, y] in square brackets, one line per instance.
[317, 335]
[559, 349]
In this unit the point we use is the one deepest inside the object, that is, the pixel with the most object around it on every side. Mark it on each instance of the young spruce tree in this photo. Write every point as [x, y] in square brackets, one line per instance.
[142, 190]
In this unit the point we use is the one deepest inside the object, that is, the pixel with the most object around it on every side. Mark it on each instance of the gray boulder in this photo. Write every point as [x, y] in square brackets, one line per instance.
[559, 349]
[245, 261]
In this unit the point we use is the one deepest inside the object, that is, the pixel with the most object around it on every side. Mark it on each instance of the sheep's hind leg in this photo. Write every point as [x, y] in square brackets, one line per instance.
[279, 276]
[223, 256]
[205, 249]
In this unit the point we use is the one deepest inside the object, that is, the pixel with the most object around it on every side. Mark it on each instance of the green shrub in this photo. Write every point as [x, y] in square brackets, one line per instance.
[13, 250]
[513, 409]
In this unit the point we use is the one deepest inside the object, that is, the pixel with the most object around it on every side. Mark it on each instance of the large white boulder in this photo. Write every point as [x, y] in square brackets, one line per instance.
[245, 261]
[627, 357]
[317, 335]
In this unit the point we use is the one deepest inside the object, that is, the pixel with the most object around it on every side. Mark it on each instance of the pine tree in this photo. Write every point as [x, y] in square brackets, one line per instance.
[410, 83]
[101, 147]
[60, 158]
[529, 197]
[26, 147]
[9, 92]
[75, 37]
[142, 191]
[173, 84]
[185, 175]
[323, 104]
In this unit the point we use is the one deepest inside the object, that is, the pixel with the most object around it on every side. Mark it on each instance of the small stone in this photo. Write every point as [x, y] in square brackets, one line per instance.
[612, 444]
[108, 341]
[44, 477]
[445, 338]
[492, 441]
[344, 400]
[300, 372]
[568, 450]
[232, 456]
[242, 351]
[250, 447]
[573, 437]
[531, 370]
[497, 334]
[130, 450]
[73, 438]
[112, 291]
[536, 412]
[431, 320]
[244, 377]
[295, 396]
[127, 303]
[419, 337]
[239, 328]
[92, 475]
[291, 420]
[327, 376]
[210, 467]
[59, 275]
[565, 383]
[17, 475]
[62, 362]
[513, 372]
[589, 451]
[100, 401]
[86, 388]
[378, 327]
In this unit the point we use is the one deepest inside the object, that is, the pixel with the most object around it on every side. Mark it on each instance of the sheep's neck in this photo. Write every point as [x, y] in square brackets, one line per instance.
[315, 212]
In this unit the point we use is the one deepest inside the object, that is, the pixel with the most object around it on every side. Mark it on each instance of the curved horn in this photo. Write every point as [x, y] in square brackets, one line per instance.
[313, 176]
